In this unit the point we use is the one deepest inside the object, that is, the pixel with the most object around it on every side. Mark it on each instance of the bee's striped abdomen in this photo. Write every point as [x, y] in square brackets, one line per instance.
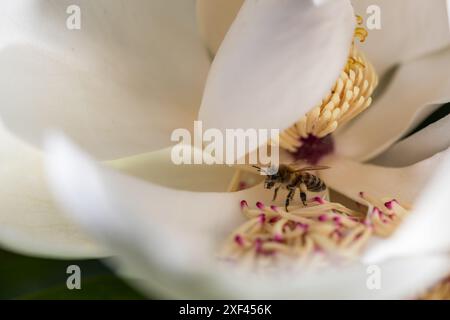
[313, 183]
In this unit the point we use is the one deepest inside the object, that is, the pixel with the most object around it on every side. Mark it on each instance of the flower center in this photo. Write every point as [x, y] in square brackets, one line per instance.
[319, 228]
[350, 95]
[313, 149]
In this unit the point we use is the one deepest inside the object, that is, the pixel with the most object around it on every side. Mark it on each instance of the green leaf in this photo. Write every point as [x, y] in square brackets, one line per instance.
[24, 277]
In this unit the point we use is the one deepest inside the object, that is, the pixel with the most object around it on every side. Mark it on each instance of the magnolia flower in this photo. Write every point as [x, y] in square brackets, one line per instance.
[132, 74]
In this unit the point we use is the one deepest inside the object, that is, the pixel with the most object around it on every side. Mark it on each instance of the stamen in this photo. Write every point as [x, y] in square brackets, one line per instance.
[238, 239]
[439, 292]
[350, 95]
[319, 200]
[278, 237]
[260, 205]
[390, 204]
[361, 33]
[322, 227]
[262, 218]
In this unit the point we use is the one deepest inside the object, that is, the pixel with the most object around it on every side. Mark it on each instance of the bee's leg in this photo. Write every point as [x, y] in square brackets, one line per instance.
[303, 198]
[303, 190]
[275, 193]
[289, 198]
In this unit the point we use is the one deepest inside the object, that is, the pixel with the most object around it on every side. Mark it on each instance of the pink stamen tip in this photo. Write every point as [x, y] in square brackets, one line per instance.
[375, 210]
[244, 204]
[274, 219]
[260, 205]
[319, 200]
[274, 208]
[238, 239]
[323, 218]
[278, 238]
[361, 194]
[303, 226]
[262, 218]
[390, 204]
[337, 219]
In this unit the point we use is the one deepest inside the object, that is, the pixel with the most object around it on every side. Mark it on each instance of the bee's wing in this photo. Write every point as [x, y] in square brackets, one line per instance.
[312, 168]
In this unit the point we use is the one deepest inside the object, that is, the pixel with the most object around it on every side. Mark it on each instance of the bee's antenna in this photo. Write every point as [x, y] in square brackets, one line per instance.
[258, 168]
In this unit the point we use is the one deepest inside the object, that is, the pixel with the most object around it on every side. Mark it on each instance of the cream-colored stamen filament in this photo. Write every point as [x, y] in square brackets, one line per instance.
[328, 228]
[350, 96]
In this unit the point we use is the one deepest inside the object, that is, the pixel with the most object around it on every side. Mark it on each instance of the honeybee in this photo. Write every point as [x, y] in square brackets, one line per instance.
[292, 178]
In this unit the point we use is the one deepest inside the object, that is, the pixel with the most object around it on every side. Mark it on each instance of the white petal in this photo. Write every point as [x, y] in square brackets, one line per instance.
[29, 221]
[105, 200]
[157, 167]
[405, 184]
[409, 29]
[167, 238]
[215, 18]
[419, 146]
[402, 32]
[31, 224]
[417, 89]
[119, 85]
[426, 228]
[400, 279]
[277, 62]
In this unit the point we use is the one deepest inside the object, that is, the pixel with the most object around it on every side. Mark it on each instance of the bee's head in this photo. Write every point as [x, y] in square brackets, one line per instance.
[270, 181]
[272, 176]
[268, 171]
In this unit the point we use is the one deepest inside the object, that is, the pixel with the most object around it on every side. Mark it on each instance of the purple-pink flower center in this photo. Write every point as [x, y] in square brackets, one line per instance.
[313, 149]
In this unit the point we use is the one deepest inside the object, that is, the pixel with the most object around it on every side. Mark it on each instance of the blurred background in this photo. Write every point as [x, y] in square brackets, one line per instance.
[27, 278]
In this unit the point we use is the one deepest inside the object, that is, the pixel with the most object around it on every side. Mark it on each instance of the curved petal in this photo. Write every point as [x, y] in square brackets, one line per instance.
[417, 89]
[158, 168]
[401, 32]
[409, 29]
[29, 221]
[31, 224]
[419, 146]
[277, 62]
[406, 184]
[426, 228]
[169, 246]
[343, 284]
[209, 215]
[120, 85]
[215, 18]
